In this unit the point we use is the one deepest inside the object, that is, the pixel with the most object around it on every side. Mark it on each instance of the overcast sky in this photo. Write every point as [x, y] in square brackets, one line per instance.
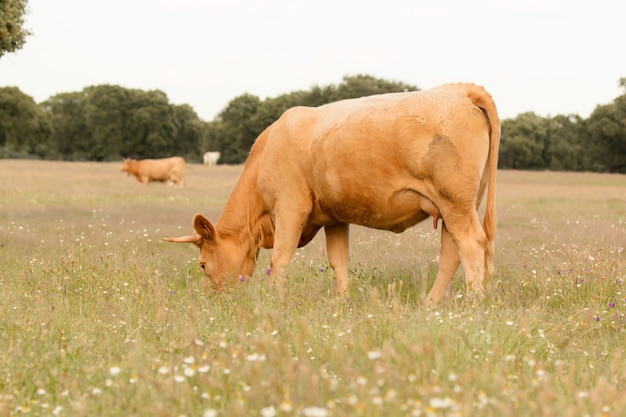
[546, 56]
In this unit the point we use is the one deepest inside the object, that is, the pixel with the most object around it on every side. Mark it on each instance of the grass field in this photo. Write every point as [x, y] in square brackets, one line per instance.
[99, 317]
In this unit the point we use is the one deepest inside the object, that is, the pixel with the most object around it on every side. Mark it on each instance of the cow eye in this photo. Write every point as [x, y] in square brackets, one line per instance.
[203, 265]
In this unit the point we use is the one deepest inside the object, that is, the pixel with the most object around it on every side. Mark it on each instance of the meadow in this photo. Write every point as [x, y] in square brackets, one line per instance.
[99, 317]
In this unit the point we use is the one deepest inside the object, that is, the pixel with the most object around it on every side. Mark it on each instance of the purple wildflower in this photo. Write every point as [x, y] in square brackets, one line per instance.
[268, 272]
[596, 318]
[242, 278]
[612, 304]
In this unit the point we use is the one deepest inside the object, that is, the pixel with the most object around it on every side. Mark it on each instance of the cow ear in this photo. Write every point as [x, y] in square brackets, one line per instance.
[204, 228]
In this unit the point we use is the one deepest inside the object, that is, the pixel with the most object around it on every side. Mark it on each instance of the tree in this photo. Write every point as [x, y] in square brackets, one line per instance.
[190, 133]
[150, 126]
[607, 128]
[567, 147]
[12, 33]
[525, 142]
[237, 129]
[24, 127]
[366, 85]
[69, 138]
[246, 116]
[107, 114]
[107, 122]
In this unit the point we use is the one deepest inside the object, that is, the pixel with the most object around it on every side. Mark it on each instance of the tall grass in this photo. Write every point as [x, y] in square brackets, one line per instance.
[99, 317]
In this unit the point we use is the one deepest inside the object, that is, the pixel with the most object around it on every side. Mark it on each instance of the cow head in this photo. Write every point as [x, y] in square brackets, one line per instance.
[127, 165]
[221, 258]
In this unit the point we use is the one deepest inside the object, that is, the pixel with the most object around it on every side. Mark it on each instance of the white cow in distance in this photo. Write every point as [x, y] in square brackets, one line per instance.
[211, 158]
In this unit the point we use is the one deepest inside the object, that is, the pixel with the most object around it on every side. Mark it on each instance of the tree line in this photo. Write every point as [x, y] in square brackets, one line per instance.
[109, 122]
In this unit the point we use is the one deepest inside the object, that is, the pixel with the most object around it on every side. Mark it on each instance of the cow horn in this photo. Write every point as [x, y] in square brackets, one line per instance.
[195, 239]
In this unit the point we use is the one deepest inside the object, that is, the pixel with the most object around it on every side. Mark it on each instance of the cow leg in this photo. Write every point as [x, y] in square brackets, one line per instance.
[338, 250]
[448, 264]
[289, 225]
[470, 238]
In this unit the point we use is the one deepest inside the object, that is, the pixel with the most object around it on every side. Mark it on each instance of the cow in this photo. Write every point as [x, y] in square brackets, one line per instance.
[211, 158]
[385, 161]
[164, 170]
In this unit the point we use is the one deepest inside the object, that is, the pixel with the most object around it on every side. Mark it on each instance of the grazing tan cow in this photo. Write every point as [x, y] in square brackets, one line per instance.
[211, 158]
[386, 161]
[166, 169]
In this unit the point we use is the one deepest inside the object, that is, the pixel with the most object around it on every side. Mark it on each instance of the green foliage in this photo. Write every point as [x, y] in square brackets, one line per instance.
[107, 122]
[24, 127]
[12, 33]
[567, 143]
[607, 126]
[524, 142]
[246, 116]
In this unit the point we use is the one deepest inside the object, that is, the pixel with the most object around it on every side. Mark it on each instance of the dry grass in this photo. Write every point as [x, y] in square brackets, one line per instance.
[99, 317]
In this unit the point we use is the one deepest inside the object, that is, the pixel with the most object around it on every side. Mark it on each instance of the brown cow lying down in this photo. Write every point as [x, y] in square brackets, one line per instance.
[166, 169]
[387, 161]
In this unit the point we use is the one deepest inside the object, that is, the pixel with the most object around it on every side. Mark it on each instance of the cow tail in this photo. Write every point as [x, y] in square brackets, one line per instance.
[482, 99]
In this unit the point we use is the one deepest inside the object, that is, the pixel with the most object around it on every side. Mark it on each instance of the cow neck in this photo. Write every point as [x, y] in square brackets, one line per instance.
[240, 218]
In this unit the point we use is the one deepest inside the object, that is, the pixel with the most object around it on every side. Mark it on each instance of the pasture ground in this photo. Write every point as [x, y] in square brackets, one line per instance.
[98, 316]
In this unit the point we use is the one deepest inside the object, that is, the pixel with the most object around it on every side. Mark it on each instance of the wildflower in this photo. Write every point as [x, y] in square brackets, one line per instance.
[376, 400]
[315, 412]
[163, 370]
[96, 391]
[441, 402]
[374, 354]
[612, 304]
[204, 369]
[189, 360]
[242, 278]
[596, 318]
[189, 372]
[268, 411]
[114, 370]
[268, 271]
[179, 378]
[210, 412]
[255, 357]
[285, 406]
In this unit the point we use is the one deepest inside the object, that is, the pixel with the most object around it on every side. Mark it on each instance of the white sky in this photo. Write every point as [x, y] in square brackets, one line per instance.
[546, 56]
